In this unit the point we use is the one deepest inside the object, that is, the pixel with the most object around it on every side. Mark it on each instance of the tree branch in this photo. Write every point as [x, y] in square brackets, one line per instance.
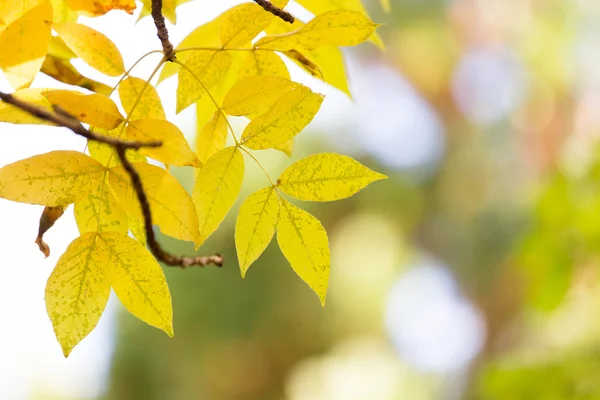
[161, 30]
[61, 118]
[269, 7]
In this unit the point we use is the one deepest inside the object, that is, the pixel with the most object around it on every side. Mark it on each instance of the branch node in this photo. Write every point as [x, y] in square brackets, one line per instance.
[161, 30]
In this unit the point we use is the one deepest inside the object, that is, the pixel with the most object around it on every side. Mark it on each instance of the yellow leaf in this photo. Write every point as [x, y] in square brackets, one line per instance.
[288, 116]
[217, 186]
[326, 177]
[92, 47]
[337, 28]
[14, 115]
[57, 178]
[174, 150]
[171, 206]
[255, 226]
[329, 61]
[12, 10]
[106, 154]
[202, 36]
[208, 67]
[94, 8]
[256, 94]
[59, 49]
[137, 279]
[62, 12]
[242, 24]
[321, 6]
[77, 291]
[137, 228]
[205, 107]
[212, 137]
[303, 241]
[24, 44]
[94, 109]
[285, 147]
[63, 71]
[100, 211]
[263, 63]
[304, 63]
[149, 105]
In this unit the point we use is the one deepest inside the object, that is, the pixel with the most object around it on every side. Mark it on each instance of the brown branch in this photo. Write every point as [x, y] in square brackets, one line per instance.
[278, 12]
[61, 118]
[161, 30]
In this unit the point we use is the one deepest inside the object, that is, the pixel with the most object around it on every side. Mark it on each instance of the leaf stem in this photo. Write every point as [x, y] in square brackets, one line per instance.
[258, 163]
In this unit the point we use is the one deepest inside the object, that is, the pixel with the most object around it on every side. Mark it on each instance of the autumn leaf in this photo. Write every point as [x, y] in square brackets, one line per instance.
[148, 105]
[100, 211]
[263, 63]
[62, 12]
[57, 178]
[174, 149]
[77, 290]
[303, 242]
[137, 279]
[94, 48]
[255, 226]
[242, 24]
[49, 216]
[24, 40]
[105, 154]
[217, 186]
[171, 206]
[212, 138]
[63, 71]
[326, 177]
[337, 28]
[206, 69]
[94, 8]
[256, 94]
[288, 117]
[94, 109]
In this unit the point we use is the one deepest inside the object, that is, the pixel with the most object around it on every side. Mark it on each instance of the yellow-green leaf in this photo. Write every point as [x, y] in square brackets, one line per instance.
[263, 63]
[24, 42]
[14, 115]
[217, 186]
[243, 23]
[171, 206]
[137, 279]
[207, 68]
[94, 8]
[326, 177]
[94, 109]
[256, 94]
[212, 137]
[100, 211]
[106, 154]
[174, 150]
[303, 241]
[77, 291]
[337, 28]
[255, 226]
[149, 105]
[92, 47]
[62, 12]
[386, 5]
[288, 116]
[57, 178]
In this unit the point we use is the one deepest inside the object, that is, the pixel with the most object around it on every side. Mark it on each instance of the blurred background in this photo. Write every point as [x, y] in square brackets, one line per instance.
[472, 273]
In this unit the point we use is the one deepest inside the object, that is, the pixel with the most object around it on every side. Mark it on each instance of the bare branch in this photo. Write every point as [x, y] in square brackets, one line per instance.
[161, 30]
[269, 7]
[61, 118]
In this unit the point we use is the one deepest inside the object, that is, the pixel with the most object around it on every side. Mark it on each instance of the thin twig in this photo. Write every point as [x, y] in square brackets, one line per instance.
[161, 30]
[269, 7]
[62, 118]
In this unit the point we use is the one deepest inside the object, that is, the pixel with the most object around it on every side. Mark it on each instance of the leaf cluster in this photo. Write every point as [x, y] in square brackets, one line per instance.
[224, 69]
